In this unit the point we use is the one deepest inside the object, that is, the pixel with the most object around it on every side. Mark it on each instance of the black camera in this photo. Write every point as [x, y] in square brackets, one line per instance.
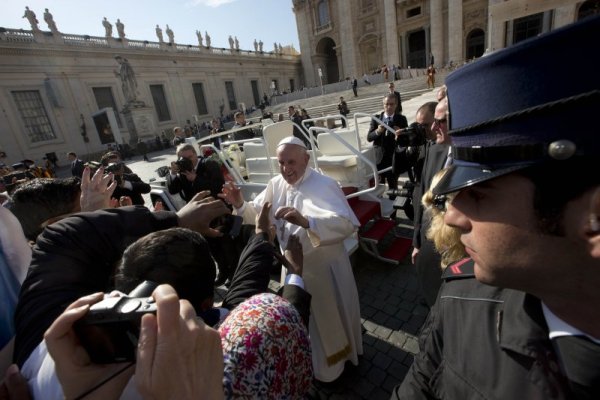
[114, 168]
[229, 225]
[414, 135]
[110, 330]
[184, 164]
[403, 198]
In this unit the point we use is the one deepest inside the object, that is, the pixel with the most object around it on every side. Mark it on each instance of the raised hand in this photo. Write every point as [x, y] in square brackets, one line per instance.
[96, 192]
[200, 211]
[232, 194]
[293, 216]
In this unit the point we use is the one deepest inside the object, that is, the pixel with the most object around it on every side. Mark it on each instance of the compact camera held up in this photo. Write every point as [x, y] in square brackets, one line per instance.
[110, 330]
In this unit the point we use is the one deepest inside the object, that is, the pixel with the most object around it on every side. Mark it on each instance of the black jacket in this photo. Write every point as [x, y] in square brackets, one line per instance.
[208, 177]
[77, 168]
[483, 342]
[387, 140]
[138, 187]
[253, 274]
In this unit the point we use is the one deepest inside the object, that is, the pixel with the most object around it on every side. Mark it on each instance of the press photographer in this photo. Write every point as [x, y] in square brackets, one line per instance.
[191, 174]
[129, 185]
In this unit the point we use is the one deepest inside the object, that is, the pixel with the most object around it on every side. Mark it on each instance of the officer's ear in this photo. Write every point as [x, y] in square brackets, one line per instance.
[592, 228]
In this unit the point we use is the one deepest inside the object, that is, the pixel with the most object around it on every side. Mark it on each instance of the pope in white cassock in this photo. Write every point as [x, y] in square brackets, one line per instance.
[313, 207]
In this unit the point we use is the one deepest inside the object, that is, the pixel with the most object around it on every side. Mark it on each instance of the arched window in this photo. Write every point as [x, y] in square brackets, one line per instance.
[323, 12]
[590, 7]
[475, 44]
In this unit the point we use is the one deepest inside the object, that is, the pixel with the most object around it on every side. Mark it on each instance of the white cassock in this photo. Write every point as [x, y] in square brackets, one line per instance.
[334, 327]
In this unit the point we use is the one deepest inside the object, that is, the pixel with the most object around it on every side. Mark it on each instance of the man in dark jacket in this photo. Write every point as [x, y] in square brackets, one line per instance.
[76, 164]
[384, 141]
[129, 185]
[527, 326]
[195, 175]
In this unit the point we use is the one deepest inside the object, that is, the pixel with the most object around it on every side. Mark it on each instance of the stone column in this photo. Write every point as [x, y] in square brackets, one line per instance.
[496, 29]
[391, 33]
[455, 31]
[301, 11]
[346, 35]
[436, 34]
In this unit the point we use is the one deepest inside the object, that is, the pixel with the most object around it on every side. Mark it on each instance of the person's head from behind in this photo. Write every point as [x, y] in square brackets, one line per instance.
[445, 238]
[177, 256]
[266, 350]
[240, 118]
[523, 204]
[441, 93]
[440, 123]
[41, 201]
[304, 113]
[216, 123]
[293, 159]
[389, 104]
[391, 87]
[425, 117]
[178, 132]
[187, 151]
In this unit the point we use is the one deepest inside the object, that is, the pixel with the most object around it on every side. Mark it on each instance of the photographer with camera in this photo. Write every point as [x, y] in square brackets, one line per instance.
[384, 142]
[129, 185]
[191, 174]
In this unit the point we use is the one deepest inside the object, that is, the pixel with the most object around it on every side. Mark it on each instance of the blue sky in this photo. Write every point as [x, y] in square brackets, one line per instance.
[266, 20]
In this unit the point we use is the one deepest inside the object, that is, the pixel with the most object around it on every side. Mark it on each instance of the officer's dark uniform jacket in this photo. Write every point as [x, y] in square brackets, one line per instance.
[483, 342]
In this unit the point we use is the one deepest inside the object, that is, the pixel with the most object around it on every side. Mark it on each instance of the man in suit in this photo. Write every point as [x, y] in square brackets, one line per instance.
[76, 164]
[393, 91]
[424, 255]
[384, 141]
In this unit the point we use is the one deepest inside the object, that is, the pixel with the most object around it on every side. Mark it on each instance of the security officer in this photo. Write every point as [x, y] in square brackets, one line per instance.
[520, 319]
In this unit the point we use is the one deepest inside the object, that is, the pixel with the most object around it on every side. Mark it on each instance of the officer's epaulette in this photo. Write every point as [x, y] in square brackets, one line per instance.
[459, 270]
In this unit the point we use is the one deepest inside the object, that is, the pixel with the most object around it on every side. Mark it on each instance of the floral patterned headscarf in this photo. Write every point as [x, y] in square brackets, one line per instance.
[266, 350]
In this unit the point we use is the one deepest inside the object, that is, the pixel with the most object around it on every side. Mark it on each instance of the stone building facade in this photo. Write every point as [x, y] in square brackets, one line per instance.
[53, 84]
[345, 38]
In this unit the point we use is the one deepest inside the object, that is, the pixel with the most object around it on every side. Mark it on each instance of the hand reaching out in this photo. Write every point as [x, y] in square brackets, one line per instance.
[232, 194]
[96, 192]
[200, 211]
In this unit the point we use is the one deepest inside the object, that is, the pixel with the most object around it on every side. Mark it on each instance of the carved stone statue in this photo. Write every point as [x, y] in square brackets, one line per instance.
[170, 34]
[128, 81]
[120, 28]
[199, 34]
[107, 27]
[280, 49]
[50, 21]
[237, 44]
[30, 15]
[275, 49]
[159, 34]
[255, 45]
[231, 42]
[260, 46]
[207, 37]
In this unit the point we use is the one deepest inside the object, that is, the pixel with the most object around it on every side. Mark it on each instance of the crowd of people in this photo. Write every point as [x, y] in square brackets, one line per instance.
[507, 259]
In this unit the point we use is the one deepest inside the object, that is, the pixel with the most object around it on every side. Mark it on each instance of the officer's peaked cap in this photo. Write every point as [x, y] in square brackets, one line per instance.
[530, 103]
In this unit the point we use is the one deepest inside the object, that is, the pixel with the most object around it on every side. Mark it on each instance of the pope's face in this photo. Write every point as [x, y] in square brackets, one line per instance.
[293, 160]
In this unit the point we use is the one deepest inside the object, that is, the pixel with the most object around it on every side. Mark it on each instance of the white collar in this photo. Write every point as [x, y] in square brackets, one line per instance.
[557, 327]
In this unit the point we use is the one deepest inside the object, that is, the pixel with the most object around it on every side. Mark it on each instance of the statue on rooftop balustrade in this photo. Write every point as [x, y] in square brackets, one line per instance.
[170, 34]
[30, 15]
[260, 46]
[280, 49]
[159, 34]
[231, 44]
[120, 29]
[50, 21]
[255, 45]
[207, 37]
[237, 43]
[199, 34]
[107, 27]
